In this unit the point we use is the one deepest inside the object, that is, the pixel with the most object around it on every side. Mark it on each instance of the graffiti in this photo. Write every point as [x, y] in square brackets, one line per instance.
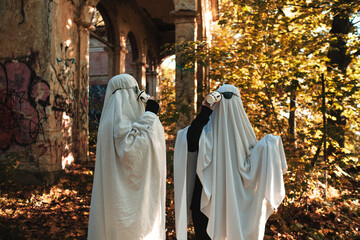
[23, 101]
[55, 148]
[64, 91]
[96, 101]
[61, 105]
[65, 68]
[84, 97]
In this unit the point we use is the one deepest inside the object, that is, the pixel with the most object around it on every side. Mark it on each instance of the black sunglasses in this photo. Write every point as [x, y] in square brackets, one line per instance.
[228, 95]
[136, 89]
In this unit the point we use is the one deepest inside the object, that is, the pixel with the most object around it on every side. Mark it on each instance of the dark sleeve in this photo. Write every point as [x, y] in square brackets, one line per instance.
[195, 129]
[152, 106]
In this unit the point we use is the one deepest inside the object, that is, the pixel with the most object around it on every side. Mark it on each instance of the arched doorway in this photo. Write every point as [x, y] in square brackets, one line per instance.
[132, 55]
[101, 62]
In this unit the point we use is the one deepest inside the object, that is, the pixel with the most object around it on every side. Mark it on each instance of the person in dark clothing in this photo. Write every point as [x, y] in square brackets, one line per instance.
[200, 221]
[224, 179]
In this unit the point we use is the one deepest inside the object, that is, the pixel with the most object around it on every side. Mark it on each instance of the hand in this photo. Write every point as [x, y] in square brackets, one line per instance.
[211, 106]
[152, 106]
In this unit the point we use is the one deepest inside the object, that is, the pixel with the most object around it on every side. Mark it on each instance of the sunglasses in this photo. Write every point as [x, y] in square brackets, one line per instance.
[228, 95]
[136, 89]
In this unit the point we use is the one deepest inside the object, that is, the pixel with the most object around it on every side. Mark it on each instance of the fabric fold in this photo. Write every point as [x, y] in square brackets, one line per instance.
[242, 178]
[128, 196]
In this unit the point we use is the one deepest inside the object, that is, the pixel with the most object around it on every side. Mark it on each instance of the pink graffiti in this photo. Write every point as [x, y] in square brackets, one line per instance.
[52, 147]
[23, 98]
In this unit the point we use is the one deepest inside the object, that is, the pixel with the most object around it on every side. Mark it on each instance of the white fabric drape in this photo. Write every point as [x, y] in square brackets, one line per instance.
[128, 196]
[242, 179]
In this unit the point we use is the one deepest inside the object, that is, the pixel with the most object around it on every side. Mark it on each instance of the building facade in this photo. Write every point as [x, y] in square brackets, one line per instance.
[53, 52]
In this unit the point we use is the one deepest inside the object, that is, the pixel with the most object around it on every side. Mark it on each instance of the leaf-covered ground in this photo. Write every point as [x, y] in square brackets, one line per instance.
[61, 211]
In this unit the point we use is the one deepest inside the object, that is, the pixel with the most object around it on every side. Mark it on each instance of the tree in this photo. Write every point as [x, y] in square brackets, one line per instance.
[294, 69]
[276, 53]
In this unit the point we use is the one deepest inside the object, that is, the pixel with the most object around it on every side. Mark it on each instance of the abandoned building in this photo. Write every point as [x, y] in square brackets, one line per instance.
[56, 55]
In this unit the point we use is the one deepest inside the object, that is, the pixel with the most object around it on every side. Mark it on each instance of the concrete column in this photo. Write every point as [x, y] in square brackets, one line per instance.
[111, 62]
[151, 78]
[185, 81]
[81, 118]
[120, 58]
[140, 72]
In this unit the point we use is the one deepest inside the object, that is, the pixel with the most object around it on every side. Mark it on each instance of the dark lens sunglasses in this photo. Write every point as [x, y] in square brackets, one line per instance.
[228, 95]
[136, 89]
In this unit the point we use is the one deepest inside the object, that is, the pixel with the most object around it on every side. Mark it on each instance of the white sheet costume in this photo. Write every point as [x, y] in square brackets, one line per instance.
[128, 196]
[242, 179]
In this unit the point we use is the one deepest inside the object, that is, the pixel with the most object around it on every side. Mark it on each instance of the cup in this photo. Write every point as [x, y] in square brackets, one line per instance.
[143, 97]
[213, 97]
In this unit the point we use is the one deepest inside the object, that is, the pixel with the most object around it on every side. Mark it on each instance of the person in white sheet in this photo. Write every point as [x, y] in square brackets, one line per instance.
[224, 179]
[128, 195]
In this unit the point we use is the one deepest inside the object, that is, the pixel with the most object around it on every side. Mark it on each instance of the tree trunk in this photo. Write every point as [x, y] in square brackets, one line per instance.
[292, 115]
[339, 61]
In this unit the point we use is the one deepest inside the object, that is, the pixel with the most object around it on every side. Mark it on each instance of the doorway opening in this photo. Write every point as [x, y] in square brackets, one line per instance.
[168, 114]
[101, 62]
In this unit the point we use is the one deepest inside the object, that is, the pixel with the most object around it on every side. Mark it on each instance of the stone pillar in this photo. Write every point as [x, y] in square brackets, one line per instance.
[120, 52]
[111, 62]
[81, 84]
[151, 78]
[119, 60]
[185, 80]
[140, 75]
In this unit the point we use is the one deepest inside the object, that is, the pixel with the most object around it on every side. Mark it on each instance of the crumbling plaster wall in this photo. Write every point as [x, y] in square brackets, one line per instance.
[69, 67]
[44, 65]
[43, 85]
[185, 5]
[24, 84]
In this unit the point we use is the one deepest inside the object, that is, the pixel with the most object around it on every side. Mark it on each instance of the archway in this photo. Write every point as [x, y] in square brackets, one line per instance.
[167, 97]
[132, 55]
[101, 62]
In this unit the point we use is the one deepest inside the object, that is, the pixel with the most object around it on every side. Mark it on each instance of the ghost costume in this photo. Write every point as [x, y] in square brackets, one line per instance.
[128, 195]
[241, 178]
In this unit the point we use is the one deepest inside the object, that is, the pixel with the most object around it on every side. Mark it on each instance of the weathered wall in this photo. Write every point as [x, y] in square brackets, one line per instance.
[44, 72]
[25, 88]
[185, 5]
[42, 80]
[98, 65]
[69, 67]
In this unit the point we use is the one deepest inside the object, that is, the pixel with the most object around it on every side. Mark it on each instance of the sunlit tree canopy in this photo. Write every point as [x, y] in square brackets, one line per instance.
[296, 64]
